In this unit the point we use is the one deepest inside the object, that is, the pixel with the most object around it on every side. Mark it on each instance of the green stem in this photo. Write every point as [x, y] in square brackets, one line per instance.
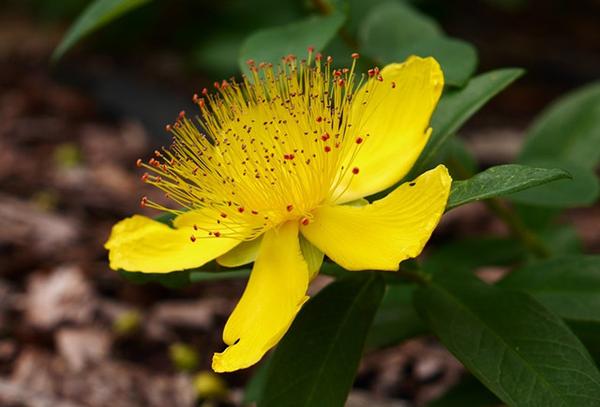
[518, 228]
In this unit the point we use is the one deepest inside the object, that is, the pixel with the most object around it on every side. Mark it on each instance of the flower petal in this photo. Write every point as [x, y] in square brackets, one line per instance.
[274, 295]
[382, 234]
[142, 244]
[396, 120]
[242, 254]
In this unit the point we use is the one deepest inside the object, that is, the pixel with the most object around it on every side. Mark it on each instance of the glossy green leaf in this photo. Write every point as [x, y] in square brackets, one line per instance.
[456, 107]
[569, 129]
[582, 190]
[500, 180]
[271, 44]
[521, 351]
[457, 58]
[254, 387]
[393, 31]
[468, 393]
[396, 319]
[96, 15]
[315, 363]
[390, 27]
[568, 286]
[469, 254]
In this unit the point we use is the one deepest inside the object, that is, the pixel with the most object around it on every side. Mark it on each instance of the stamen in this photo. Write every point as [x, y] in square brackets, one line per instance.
[280, 143]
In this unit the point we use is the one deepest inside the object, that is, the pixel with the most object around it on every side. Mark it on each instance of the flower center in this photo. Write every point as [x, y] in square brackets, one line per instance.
[266, 150]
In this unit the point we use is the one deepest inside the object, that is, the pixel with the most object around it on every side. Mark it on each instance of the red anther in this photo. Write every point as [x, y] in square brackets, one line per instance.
[329, 59]
[250, 62]
[341, 82]
[204, 91]
[393, 85]
[359, 140]
[195, 98]
[318, 57]
[193, 238]
[145, 177]
[311, 49]
[158, 178]
[217, 234]
[224, 84]
[241, 209]
[138, 162]
[371, 72]
[376, 69]
[289, 208]
[345, 70]
[355, 170]
[223, 215]
[164, 167]
[217, 85]
[337, 73]
[327, 149]
[254, 213]
[143, 201]
[355, 55]
[305, 221]
[319, 119]
[181, 115]
[168, 128]
[380, 78]
[157, 153]
[289, 156]
[201, 103]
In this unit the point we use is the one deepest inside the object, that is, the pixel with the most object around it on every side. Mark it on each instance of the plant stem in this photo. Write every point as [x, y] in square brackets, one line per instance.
[518, 228]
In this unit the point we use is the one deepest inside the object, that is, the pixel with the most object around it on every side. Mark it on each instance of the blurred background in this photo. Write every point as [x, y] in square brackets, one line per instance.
[72, 332]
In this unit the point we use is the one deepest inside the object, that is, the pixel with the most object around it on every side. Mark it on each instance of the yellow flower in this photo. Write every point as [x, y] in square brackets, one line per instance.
[274, 172]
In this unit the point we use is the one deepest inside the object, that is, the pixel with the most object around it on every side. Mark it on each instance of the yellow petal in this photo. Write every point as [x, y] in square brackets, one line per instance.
[274, 295]
[382, 234]
[242, 254]
[396, 120]
[142, 244]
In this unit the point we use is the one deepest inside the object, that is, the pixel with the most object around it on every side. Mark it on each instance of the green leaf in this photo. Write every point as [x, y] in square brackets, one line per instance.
[522, 352]
[393, 31]
[315, 363]
[469, 392]
[569, 286]
[569, 129]
[96, 15]
[500, 180]
[457, 58]
[582, 190]
[396, 319]
[391, 26]
[456, 107]
[469, 254]
[271, 44]
[255, 385]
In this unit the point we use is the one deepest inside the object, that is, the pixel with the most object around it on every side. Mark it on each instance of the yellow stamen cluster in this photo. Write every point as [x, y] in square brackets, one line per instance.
[269, 149]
